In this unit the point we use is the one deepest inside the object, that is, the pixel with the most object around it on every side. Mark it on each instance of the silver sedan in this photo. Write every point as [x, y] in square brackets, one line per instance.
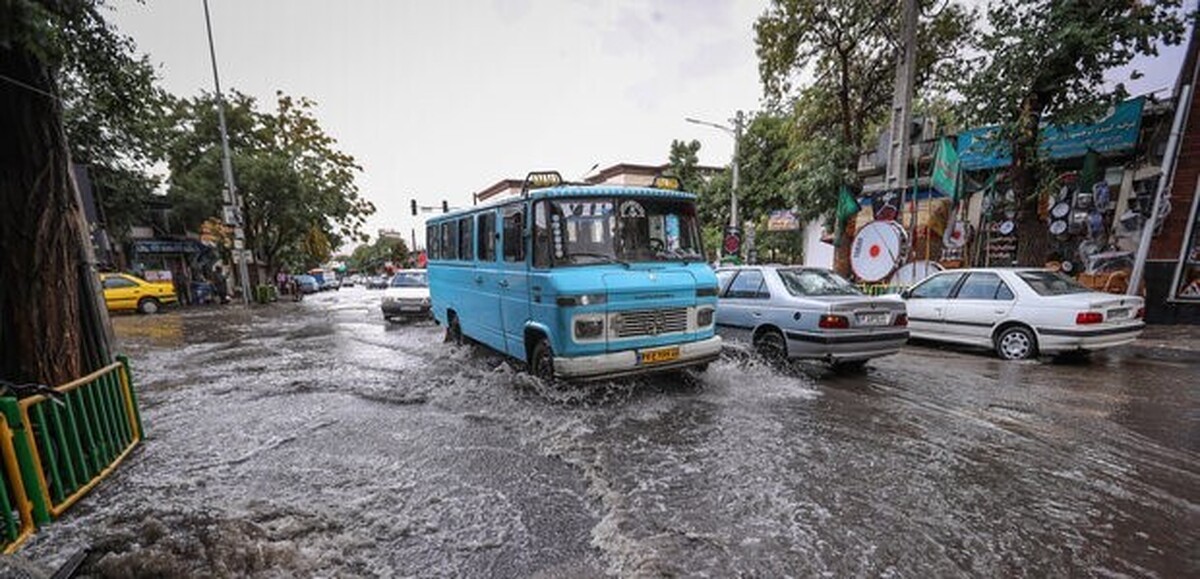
[809, 313]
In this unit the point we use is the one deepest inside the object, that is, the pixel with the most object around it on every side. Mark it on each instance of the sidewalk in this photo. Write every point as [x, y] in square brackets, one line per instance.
[1181, 342]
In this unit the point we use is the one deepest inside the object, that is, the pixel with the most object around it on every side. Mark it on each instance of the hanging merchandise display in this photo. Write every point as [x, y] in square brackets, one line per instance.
[878, 249]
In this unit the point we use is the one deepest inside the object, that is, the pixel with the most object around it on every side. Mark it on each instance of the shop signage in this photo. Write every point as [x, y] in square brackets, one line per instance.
[782, 220]
[980, 148]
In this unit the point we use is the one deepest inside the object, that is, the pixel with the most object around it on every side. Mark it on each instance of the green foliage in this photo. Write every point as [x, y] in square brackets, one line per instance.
[1049, 57]
[684, 160]
[847, 49]
[298, 189]
[111, 102]
[369, 257]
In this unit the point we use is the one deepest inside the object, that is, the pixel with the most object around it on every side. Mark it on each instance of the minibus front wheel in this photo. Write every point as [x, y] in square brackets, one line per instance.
[541, 361]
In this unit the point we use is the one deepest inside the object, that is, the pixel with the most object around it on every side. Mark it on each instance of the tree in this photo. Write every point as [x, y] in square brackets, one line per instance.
[298, 189]
[1047, 59]
[53, 326]
[112, 113]
[848, 49]
[370, 257]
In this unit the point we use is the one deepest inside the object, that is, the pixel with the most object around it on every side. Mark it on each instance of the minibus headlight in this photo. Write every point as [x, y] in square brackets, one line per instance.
[581, 300]
[706, 292]
[589, 328]
[704, 317]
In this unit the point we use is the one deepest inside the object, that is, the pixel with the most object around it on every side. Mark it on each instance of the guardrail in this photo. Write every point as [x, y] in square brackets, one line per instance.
[16, 512]
[56, 449]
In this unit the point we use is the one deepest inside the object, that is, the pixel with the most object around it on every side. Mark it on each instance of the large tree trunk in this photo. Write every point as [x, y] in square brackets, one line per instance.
[1033, 237]
[41, 335]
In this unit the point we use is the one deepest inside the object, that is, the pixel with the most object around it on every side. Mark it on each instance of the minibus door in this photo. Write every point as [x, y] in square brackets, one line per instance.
[487, 276]
[513, 280]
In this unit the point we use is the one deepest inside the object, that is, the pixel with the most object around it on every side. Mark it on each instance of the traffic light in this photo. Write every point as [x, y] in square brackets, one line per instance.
[414, 207]
[445, 206]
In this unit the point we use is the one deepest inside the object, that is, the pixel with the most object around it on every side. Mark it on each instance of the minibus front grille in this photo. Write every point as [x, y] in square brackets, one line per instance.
[650, 322]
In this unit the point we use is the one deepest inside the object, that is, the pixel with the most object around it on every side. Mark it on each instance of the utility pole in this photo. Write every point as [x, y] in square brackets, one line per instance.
[233, 213]
[733, 233]
[899, 149]
[739, 120]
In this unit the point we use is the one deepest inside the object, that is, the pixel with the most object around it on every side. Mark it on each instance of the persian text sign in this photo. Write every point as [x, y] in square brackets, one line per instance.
[782, 220]
[979, 149]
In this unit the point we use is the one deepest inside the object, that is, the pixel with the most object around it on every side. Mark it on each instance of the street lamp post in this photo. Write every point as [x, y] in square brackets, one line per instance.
[736, 133]
[231, 194]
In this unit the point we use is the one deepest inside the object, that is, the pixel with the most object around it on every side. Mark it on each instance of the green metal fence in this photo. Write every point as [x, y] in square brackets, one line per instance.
[62, 448]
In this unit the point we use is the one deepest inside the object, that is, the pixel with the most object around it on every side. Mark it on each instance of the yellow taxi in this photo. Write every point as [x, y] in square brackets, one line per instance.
[124, 292]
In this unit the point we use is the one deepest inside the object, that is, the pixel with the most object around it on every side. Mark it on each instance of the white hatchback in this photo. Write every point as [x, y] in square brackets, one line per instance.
[1020, 313]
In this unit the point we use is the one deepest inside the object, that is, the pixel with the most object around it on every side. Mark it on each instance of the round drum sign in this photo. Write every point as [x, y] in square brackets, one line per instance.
[913, 272]
[879, 248]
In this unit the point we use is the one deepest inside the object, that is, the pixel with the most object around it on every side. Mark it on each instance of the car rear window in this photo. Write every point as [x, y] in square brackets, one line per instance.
[816, 282]
[1051, 283]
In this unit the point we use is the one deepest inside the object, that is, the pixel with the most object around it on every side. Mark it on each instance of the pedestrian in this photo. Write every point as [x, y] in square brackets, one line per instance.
[220, 286]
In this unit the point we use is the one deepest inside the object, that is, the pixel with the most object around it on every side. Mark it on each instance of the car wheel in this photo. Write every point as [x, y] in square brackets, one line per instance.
[541, 361]
[148, 306]
[454, 333]
[1016, 343]
[771, 345]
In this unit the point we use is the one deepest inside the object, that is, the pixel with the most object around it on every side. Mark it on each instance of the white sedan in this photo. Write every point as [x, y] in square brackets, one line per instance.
[1020, 312]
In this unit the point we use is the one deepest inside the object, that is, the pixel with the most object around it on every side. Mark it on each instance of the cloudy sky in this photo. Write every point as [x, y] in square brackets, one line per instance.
[441, 99]
[438, 100]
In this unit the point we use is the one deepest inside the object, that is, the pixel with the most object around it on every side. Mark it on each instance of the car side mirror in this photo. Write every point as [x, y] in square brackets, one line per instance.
[907, 293]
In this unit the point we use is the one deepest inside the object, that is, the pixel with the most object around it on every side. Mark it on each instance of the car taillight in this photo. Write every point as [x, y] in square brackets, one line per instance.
[829, 321]
[901, 320]
[1089, 318]
[1141, 313]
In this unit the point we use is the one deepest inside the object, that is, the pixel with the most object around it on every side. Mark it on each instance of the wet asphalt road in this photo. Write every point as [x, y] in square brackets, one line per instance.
[315, 439]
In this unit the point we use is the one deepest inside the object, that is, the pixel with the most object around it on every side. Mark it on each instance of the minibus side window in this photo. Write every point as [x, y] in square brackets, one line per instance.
[487, 236]
[431, 242]
[514, 240]
[450, 240]
[466, 238]
[541, 237]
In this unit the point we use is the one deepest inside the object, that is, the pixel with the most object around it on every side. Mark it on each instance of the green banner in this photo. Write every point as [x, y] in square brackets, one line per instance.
[945, 170]
[847, 208]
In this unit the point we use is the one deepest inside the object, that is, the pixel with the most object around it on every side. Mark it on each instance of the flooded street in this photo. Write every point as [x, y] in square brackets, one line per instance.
[316, 439]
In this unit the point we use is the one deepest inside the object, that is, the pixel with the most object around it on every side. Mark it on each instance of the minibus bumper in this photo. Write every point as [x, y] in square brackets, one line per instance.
[626, 363]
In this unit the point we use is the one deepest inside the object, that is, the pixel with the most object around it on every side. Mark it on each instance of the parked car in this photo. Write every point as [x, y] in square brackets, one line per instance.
[1020, 313]
[807, 313]
[307, 284]
[123, 292]
[407, 296]
[377, 282]
[331, 283]
[348, 281]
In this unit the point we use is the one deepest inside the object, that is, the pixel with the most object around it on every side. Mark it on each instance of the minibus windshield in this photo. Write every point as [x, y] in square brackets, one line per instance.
[622, 230]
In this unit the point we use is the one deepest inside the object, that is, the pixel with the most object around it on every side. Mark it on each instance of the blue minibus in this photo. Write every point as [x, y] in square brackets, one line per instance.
[580, 282]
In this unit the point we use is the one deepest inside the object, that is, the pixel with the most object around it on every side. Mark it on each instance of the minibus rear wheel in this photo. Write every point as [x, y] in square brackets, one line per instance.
[541, 361]
[454, 333]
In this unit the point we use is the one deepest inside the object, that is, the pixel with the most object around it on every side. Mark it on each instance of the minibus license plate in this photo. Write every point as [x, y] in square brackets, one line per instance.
[659, 356]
